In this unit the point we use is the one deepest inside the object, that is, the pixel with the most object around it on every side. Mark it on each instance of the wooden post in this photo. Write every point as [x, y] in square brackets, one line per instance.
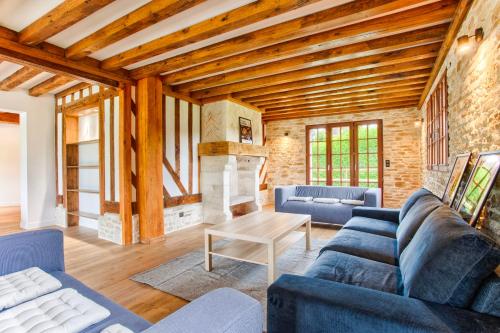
[149, 159]
[125, 156]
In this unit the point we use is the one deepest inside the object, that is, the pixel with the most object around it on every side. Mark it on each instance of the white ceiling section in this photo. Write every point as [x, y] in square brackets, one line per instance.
[18, 14]
[7, 69]
[35, 80]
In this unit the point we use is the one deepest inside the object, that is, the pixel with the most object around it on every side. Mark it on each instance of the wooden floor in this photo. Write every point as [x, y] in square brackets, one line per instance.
[106, 267]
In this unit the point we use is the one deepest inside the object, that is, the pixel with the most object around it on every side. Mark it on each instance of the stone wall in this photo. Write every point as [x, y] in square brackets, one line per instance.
[401, 135]
[473, 100]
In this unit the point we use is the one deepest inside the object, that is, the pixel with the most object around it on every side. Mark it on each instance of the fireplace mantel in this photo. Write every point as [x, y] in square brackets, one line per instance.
[221, 148]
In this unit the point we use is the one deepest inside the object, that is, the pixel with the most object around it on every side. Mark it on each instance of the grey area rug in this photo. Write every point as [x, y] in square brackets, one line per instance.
[185, 276]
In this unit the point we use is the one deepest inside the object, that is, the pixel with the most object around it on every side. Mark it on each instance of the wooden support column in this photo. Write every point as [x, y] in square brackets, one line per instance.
[149, 159]
[125, 156]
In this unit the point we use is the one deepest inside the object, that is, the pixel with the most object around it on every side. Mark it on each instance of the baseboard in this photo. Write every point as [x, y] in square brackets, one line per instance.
[40, 224]
[10, 204]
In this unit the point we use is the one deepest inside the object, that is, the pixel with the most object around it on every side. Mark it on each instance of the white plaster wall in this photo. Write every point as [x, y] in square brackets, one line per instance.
[37, 128]
[10, 165]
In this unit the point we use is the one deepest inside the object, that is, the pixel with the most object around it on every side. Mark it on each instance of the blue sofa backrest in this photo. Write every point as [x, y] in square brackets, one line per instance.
[447, 260]
[353, 193]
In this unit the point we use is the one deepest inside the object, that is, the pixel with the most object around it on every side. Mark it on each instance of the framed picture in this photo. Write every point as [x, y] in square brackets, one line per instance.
[245, 130]
[479, 185]
[455, 182]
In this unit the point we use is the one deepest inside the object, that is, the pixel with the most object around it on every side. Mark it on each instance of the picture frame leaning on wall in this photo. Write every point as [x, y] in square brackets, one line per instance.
[479, 185]
[456, 180]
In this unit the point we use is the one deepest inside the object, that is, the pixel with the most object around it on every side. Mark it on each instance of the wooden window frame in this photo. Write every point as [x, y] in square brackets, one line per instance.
[353, 150]
[437, 140]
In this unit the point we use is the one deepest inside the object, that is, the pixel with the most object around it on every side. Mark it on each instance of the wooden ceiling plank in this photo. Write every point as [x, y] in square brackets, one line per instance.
[371, 99]
[345, 94]
[50, 84]
[58, 19]
[341, 110]
[458, 18]
[356, 50]
[19, 77]
[348, 13]
[55, 63]
[72, 89]
[417, 18]
[354, 85]
[141, 18]
[378, 60]
[234, 19]
[343, 79]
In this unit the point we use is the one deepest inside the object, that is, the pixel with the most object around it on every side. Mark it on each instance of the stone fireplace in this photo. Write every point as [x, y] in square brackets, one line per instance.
[229, 177]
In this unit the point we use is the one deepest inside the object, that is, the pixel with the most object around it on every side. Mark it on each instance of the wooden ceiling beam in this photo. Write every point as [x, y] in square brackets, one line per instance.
[366, 100]
[344, 95]
[346, 79]
[341, 110]
[378, 60]
[417, 18]
[458, 18]
[73, 89]
[58, 19]
[22, 75]
[9, 118]
[234, 19]
[355, 85]
[362, 49]
[50, 84]
[50, 60]
[137, 20]
[348, 13]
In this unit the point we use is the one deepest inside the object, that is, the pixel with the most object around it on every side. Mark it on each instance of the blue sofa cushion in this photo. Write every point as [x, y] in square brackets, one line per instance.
[414, 218]
[447, 260]
[364, 245]
[372, 226]
[331, 213]
[411, 201]
[298, 207]
[119, 315]
[349, 269]
[354, 193]
[488, 297]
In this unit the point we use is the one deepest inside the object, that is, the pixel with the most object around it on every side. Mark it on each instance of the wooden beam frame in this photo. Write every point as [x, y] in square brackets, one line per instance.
[459, 17]
[22, 75]
[49, 85]
[125, 156]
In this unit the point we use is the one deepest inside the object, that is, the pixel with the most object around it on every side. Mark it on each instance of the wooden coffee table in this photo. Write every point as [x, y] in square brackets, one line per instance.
[258, 238]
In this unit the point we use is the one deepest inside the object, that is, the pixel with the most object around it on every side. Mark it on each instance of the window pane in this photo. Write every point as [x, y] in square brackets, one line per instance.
[336, 147]
[362, 146]
[321, 134]
[322, 148]
[345, 147]
[373, 174]
[314, 147]
[336, 161]
[345, 161]
[336, 133]
[362, 131]
[345, 133]
[336, 174]
[363, 173]
[372, 145]
[322, 161]
[363, 161]
[373, 160]
[363, 184]
[372, 131]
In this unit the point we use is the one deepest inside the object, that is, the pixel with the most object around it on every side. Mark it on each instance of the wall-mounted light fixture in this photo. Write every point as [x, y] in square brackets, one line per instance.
[466, 42]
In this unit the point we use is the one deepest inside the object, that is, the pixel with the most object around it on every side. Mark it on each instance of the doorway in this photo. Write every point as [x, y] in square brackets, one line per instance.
[345, 154]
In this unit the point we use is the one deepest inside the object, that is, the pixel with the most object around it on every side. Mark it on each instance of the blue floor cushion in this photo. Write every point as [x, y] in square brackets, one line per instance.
[365, 245]
[372, 226]
[345, 268]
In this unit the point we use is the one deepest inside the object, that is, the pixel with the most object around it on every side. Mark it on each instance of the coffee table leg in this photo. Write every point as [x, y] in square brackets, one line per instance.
[208, 249]
[271, 263]
[308, 235]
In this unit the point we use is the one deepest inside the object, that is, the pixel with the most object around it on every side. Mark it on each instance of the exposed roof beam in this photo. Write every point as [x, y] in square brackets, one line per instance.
[420, 17]
[460, 14]
[50, 84]
[141, 18]
[378, 60]
[234, 19]
[56, 63]
[395, 70]
[19, 77]
[345, 93]
[9, 118]
[61, 17]
[366, 48]
[347, 13]
[340, 110]
[389, 80]
[369, 99]
[72, 89]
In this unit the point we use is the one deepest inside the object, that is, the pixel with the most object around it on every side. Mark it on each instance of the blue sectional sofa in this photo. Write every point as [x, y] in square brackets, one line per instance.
[222, 310]
[334, 213]
[417, 269]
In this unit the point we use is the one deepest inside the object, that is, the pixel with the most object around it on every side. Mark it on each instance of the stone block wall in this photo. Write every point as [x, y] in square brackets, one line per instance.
[401, 136]
[473, 101]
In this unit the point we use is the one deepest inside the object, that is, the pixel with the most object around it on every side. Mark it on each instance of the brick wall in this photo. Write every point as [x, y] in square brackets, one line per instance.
[287, 154]
[474, 99]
